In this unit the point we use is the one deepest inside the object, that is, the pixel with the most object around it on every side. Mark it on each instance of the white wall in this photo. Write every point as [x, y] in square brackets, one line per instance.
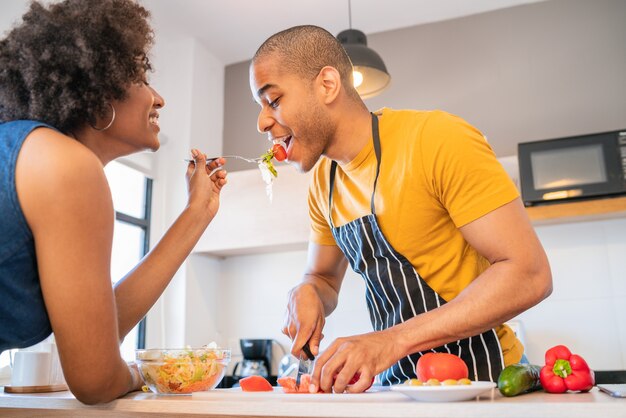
[253, 296]
[587, 309]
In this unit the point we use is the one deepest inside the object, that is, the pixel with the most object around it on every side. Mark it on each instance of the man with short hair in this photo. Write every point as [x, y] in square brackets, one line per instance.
[416, 203]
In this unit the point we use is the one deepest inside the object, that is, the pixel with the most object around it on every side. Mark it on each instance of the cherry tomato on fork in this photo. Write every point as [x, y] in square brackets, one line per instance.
[279, 152]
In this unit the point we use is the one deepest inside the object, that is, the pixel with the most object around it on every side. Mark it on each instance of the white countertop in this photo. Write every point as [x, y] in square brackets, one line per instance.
[221, 403]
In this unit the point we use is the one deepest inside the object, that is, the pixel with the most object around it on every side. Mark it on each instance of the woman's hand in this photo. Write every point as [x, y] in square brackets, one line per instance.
[203, 187]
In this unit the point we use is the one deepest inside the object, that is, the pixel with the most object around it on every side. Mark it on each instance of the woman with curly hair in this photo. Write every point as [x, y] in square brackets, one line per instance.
[73, 97]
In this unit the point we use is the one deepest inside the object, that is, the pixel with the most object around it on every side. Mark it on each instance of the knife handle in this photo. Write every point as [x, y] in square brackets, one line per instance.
[307, 351]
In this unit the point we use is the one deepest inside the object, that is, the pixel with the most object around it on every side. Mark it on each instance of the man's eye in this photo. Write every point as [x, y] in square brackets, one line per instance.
[274, 104]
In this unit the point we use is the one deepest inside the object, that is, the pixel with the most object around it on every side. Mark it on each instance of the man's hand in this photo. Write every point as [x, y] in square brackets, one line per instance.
[304, 318]
[366, 354]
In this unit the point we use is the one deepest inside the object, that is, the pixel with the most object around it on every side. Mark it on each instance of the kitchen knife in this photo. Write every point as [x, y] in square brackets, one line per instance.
[304, 364]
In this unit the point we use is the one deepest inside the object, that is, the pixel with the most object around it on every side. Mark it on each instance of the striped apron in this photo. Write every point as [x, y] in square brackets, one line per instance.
[395, 292]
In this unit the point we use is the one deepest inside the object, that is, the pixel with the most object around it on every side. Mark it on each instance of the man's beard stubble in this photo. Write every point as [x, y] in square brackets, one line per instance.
[319, 131]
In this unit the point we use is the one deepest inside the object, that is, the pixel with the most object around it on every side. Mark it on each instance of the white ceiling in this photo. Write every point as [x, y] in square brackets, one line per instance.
[233, 29]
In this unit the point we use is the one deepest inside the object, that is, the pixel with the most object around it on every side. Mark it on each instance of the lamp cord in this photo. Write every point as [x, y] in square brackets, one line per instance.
[349, 14]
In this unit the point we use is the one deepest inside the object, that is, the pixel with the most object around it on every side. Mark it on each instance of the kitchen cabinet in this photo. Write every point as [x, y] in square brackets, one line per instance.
[248, 222]
[584, 210]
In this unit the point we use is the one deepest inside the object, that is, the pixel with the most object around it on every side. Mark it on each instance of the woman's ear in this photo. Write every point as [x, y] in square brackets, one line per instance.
[329, 83]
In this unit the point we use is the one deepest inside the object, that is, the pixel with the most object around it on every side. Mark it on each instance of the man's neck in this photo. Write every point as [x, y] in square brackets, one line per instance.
[354, 131]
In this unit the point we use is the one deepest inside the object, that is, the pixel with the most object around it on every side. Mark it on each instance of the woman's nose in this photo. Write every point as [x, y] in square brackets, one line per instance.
[159, 102]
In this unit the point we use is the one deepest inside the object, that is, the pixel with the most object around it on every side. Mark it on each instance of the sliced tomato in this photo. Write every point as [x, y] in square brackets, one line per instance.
[255, 384]
[440, 366]
[289, 384]
[279, 152]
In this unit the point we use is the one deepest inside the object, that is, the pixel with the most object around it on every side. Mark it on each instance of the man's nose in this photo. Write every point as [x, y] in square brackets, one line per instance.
[264, 122]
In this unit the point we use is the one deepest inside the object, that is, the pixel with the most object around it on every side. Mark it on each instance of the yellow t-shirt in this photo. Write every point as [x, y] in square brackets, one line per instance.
[437, 173]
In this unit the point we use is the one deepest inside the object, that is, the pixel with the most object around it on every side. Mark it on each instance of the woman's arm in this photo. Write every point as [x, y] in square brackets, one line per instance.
[67, 203]
[141, 288]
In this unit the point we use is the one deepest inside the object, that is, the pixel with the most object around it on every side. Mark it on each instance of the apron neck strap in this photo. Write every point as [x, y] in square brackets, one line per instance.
[333, 169]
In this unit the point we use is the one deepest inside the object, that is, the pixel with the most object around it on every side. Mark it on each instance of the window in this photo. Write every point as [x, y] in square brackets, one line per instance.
[132, 195]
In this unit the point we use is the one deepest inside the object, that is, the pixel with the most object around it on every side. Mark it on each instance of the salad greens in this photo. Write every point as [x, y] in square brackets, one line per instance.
[268, 171]
[267, 162]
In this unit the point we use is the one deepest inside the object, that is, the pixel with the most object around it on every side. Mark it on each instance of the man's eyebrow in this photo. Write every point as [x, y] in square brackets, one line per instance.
[263, 89]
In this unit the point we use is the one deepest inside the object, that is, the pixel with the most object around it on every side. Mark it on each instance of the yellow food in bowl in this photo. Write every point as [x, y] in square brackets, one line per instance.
[435, 382]
[413, 382]
[182, 371]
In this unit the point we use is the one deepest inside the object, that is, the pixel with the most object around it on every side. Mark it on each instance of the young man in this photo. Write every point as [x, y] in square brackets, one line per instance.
[415, 202]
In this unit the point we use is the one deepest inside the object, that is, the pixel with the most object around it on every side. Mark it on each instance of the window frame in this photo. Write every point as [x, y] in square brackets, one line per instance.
[144, 224]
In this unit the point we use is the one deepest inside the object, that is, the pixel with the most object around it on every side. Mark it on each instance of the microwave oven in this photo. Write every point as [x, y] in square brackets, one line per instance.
[576, 167]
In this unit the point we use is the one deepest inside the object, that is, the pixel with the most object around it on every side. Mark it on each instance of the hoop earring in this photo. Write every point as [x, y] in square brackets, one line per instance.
[110, 123]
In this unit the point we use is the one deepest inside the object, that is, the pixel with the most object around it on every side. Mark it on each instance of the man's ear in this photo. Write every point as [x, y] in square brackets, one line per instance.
[329, 83]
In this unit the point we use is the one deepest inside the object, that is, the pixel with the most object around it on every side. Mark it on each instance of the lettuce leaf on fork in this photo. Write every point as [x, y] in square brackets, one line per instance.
[267, 162]
[268, 171]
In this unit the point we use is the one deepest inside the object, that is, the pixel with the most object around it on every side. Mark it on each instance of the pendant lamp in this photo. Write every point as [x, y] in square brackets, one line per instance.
[369, 71]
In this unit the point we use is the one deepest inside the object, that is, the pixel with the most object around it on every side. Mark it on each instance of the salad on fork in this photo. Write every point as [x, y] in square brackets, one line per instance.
[268, 171]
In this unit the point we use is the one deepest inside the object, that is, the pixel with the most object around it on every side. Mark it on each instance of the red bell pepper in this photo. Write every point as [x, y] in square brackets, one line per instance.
[565, 371]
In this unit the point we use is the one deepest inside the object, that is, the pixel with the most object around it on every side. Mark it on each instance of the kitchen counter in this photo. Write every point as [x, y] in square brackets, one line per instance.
[388, 404]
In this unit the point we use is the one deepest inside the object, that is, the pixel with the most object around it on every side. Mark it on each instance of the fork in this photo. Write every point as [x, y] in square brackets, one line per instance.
[249, 160]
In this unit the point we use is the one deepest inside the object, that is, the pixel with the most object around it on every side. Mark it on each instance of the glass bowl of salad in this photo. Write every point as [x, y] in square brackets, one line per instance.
[182, 371]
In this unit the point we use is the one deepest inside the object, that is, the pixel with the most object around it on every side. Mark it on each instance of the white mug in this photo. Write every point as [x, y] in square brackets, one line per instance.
[31, 368]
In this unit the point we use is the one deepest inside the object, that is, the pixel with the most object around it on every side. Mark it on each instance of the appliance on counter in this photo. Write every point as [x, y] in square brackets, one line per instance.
[577, 167]
[257, 360]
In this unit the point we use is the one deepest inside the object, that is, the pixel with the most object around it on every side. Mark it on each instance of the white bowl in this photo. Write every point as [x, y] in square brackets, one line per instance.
[444, 393]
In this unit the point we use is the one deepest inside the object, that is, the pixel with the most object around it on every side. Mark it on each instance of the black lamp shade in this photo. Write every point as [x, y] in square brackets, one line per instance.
[366, 61]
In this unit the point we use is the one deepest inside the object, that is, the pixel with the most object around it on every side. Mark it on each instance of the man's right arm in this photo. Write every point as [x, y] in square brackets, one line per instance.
[315, 298]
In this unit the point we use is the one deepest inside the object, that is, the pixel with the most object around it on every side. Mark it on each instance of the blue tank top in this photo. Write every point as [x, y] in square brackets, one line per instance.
[23, 316]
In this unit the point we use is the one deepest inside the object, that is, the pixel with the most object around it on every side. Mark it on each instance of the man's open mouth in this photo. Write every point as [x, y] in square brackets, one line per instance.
[283, 140]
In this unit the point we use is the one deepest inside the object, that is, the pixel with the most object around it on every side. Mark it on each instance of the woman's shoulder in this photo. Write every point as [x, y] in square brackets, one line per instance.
[52, 149]
[52, 164]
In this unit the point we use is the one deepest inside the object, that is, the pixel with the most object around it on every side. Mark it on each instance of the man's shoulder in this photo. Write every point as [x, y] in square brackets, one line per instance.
[411, 113]
[416, 121]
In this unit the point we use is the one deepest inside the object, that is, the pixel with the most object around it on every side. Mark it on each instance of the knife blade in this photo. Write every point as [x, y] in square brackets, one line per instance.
[304, 364]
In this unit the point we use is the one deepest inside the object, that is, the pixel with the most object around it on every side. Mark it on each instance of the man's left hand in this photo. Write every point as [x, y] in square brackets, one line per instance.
[366, 354]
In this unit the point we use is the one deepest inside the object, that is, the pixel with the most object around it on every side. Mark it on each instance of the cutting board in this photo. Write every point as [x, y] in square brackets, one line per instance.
[374, 394]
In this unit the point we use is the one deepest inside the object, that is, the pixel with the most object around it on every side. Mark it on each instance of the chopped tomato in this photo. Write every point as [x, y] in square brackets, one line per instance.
[279, 152]
[440, 366]
[289, 384]
[255, 384]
